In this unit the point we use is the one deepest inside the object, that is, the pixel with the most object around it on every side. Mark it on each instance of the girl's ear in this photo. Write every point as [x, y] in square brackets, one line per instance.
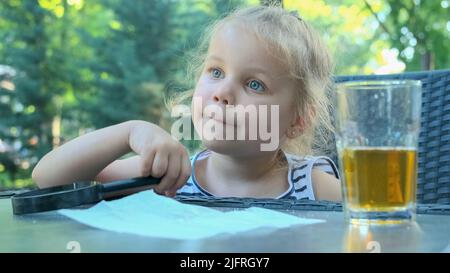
[299, 123]
[296, 128]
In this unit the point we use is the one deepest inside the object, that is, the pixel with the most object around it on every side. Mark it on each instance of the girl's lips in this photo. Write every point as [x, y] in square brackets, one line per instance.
[223, 122]
[220, 121]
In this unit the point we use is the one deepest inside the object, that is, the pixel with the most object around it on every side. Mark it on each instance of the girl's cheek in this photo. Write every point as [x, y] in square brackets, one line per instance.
[196, 109]
[202, 95]
[199, 101]
[203, 88]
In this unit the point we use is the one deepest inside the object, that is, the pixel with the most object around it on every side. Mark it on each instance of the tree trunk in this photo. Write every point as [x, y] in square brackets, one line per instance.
[427, 61]
[272, 2]
[56, 131]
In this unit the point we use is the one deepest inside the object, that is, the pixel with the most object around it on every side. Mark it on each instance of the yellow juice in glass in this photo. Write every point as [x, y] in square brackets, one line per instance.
[377, 133]
[379, 178]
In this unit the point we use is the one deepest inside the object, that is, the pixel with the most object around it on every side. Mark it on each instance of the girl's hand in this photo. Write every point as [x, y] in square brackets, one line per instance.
[161, 156]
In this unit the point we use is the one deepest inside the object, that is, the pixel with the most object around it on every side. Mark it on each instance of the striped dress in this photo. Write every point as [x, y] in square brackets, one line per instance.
[299, 176]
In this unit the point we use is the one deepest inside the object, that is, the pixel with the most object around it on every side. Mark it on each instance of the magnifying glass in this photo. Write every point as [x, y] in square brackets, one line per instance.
[76, 194]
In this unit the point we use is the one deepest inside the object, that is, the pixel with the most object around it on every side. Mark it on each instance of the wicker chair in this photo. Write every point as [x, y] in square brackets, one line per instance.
[434, 140]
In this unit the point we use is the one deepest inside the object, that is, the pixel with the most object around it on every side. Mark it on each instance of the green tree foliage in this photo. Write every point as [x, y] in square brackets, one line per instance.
[132, 61]
[419, 29]
[351, 40]
[40, 42]
[30, 104]
[358, 31]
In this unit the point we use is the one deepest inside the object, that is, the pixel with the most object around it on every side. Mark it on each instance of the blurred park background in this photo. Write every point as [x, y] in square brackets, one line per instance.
[70, 66]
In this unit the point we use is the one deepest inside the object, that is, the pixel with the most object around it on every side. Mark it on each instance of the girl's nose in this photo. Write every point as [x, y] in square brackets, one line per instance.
[219, 99]
[225, 94]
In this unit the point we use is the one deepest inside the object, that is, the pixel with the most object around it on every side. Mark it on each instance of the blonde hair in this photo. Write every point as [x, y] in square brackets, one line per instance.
[294, 42]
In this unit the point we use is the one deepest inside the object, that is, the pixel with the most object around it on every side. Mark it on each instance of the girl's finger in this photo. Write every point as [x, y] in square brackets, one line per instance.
[170, 176]
[147, 162]
[160, 163]
[184, 175]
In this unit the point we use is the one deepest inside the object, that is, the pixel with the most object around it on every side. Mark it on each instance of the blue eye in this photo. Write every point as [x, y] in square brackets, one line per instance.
[216, 73]
[256, 85]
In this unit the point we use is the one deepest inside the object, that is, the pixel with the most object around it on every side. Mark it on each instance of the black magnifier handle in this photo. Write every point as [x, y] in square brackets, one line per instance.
[129, 183]
[76, 194]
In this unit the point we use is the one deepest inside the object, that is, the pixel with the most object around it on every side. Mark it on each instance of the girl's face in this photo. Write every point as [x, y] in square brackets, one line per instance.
[240, 71]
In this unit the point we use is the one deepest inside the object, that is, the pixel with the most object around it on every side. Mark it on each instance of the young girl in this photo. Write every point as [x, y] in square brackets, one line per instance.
[260, 56]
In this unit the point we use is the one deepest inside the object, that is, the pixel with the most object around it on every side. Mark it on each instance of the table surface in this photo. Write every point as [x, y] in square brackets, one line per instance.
[52, 232]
